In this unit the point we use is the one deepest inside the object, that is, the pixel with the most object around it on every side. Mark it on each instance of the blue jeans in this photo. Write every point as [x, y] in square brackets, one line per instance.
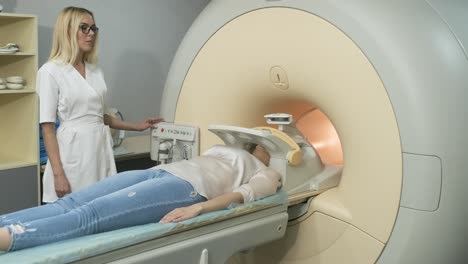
[122, 200]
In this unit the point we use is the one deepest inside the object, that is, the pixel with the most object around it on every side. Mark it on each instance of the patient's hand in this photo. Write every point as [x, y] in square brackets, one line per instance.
[182, 213]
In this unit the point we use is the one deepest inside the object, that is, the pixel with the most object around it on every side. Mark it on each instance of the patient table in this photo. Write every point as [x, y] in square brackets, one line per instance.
[208, 238]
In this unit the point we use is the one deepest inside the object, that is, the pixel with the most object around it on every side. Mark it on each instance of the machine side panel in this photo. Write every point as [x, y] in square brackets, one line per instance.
[422, 186]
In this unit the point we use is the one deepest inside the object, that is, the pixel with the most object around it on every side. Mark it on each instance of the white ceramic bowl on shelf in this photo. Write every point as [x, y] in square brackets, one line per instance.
[15, 86]
[15, 79]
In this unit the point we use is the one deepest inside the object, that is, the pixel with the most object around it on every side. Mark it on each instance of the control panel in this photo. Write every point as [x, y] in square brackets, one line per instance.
[172, 142]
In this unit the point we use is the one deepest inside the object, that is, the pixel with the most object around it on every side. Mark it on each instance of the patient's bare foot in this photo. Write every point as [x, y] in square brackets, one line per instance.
[5, 239]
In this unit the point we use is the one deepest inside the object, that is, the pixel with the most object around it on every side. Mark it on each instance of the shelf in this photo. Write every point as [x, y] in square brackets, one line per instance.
[19, 133]
[11, 163]
[19, 65]
[19, 29]
[19, 130]
[14, 16]
[20, 53]
[19, 91]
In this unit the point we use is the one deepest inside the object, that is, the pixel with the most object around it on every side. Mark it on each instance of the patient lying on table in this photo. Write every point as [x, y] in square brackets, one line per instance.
[165, 193]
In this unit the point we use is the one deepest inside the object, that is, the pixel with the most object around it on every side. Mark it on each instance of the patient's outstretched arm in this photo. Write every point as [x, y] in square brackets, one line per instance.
[217, 203]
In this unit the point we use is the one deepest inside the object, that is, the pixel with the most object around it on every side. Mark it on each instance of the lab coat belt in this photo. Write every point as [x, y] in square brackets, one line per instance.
[82, 123]
[69, 129]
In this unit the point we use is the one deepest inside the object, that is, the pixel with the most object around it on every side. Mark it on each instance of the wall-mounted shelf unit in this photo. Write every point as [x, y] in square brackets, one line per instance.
[19, 135]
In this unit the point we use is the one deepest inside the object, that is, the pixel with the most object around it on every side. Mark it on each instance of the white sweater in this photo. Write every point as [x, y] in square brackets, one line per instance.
[222, 169]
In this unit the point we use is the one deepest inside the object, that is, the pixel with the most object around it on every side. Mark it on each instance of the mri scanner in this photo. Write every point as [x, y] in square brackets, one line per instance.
[380, 87]
[377, 88]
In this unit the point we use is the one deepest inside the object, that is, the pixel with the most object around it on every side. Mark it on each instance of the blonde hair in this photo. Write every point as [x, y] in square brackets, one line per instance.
[64, 43]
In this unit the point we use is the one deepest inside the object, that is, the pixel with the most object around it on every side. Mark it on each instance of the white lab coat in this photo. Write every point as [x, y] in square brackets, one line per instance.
[85, 143]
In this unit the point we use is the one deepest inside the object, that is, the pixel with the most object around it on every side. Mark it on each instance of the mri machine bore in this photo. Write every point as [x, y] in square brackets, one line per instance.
[379, 87]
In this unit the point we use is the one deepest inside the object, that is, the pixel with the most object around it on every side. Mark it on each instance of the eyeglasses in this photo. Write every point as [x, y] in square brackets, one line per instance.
[85, 29]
